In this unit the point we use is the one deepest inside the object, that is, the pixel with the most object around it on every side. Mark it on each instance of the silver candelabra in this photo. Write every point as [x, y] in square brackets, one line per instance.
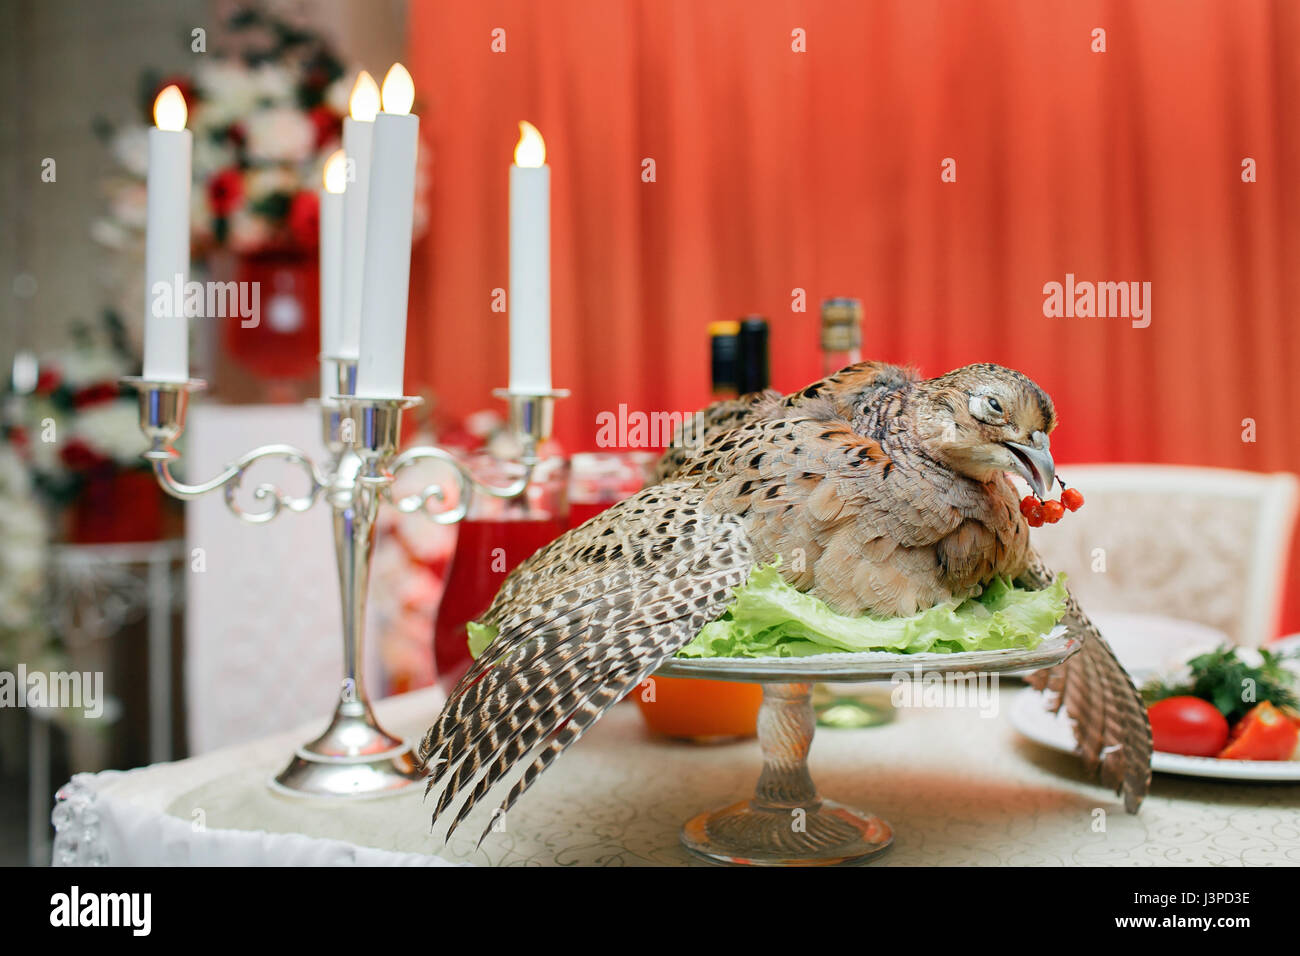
[355, 756]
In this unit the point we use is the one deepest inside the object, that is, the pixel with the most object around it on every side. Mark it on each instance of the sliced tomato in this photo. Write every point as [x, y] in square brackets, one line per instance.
[1265, 733]
[1187, 725]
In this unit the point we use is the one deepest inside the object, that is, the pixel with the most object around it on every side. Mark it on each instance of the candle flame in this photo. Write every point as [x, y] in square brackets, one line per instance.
[336, 172]
[169, 110]
[364, 102]
[399, 90]
[531, 148]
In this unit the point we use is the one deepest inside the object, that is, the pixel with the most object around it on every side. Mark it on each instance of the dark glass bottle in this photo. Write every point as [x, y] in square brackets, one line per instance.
[724, 359]
[753, 374]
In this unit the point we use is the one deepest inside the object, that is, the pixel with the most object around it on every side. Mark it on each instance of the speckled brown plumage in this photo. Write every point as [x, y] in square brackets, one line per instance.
[1111, 731]
[717, 418]
[877, 491]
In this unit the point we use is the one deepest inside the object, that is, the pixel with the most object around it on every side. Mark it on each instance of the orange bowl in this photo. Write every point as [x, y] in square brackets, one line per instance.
[699, 709]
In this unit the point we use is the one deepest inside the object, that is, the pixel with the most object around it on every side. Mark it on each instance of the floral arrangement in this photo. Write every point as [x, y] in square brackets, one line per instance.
[75, 424]
[266, 111]
[24, 537]
[264, 121]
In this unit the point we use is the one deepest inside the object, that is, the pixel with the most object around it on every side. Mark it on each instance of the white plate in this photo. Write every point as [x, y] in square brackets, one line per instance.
[1030, 716]
[1149, 643]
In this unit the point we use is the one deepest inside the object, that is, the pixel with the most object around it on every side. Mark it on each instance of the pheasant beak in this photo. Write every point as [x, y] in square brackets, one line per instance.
[1034, 463]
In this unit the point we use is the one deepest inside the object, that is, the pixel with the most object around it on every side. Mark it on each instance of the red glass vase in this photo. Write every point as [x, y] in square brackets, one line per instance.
[490, 543]
[117, 506]
[280, 345]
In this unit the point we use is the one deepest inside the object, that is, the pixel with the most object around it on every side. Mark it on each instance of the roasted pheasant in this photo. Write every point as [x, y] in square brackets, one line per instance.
[894, 493]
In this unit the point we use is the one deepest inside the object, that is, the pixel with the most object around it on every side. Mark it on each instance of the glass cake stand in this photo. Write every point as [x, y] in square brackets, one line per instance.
[786, 822]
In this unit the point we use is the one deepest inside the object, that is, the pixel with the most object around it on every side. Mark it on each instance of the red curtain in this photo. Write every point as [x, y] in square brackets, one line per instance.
[778, 170]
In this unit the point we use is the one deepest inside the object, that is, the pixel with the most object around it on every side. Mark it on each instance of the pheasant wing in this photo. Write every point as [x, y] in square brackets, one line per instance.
[578, 625]
[1111, 730]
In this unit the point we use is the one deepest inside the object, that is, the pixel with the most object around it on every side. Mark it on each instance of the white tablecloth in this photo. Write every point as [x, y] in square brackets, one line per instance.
[958, 789]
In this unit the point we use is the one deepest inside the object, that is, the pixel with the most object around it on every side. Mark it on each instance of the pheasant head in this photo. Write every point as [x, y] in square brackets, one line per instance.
[981, 420]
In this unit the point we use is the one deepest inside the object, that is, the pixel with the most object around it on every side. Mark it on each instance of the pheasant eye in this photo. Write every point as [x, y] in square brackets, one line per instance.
[995, 405]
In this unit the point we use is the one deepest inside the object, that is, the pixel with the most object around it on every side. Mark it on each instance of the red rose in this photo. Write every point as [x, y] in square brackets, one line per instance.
[329, 125]
[460, 438]
[95, 395]
[18, 438]
[304, 218]
[316, 78]
[225, 192]
[47, 381]
[79, 456]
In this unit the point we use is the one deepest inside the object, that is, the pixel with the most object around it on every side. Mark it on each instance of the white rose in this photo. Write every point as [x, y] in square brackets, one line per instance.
[24, 523]
[229, 92]
[112, 429]
[90, 366]
[280, 135]
[45, 454]
[24, 562]
[109, 233]
[262, 182]
[130, 147]
[275, 83]
[200, 213]
[248, 232]
[338, 93]
[211, 157]
[14, 480]
[130, 205]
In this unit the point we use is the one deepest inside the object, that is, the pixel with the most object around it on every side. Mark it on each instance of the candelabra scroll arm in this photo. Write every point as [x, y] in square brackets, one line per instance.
[163, 404]
[231, 478]
[467, 483]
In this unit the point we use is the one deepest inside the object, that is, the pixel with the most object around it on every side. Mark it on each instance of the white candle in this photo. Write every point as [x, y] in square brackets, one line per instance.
[331, 269]
[388, 241]
[530, 265]
[358, 137]
[167, 241]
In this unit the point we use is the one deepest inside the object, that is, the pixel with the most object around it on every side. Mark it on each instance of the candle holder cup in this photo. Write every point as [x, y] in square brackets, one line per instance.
[354, 756]
[532, 417]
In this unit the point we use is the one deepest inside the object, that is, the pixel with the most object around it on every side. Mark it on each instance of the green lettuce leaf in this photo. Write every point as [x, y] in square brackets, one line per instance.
[480, 636]
[769, 618]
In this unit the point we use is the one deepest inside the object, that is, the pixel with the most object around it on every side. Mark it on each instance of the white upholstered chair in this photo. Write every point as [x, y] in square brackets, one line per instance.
[1202, 544]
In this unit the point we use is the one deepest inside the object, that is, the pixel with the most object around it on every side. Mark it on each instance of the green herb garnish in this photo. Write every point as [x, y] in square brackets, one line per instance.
[1230, 684]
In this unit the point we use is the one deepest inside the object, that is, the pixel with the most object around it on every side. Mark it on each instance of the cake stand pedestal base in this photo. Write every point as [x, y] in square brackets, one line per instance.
[786, 823]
